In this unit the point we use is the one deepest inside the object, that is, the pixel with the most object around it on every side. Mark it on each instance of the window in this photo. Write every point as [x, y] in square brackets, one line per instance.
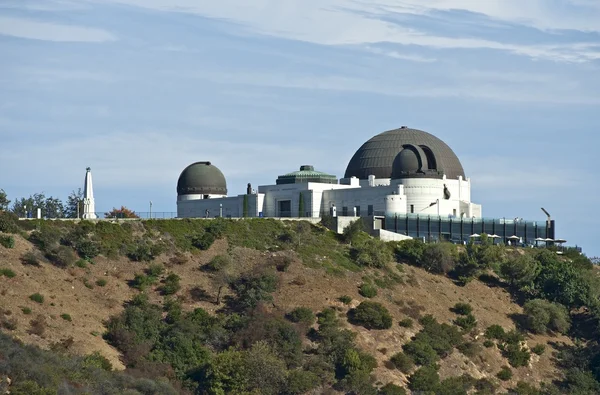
[412, 208]
[358, 211]
[344, 211]
[370, 209]
[454, 212]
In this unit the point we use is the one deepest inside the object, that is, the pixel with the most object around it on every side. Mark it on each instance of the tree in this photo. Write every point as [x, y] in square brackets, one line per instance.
[74, 206]
[521, 272]
[122, 212]
[543, 316]
[4, 202]
[51, 207]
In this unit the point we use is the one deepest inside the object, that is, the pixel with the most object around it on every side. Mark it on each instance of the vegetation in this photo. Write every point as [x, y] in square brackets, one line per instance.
[302, 315]
[462, 309]
[7, 273]
[368, 290]
[543, 316]
[345, 299]
[505, 373]
[122, 212]
[66, 317]
[7, 241]
[36, 297]
[371, 315]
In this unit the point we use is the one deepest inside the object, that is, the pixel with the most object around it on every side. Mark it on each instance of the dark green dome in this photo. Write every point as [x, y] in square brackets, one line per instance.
[201, 178]
[307, 173]
[404, 153]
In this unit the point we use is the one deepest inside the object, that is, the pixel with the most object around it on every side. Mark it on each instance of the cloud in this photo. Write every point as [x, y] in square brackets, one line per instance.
[345, 22]
[36, 30]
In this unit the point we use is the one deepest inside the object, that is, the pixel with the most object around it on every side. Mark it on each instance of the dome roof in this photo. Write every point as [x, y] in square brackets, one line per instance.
[404, 153]
[201, 178]
[307, 173]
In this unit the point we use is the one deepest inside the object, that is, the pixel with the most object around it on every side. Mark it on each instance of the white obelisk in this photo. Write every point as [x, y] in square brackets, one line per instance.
[89, 207]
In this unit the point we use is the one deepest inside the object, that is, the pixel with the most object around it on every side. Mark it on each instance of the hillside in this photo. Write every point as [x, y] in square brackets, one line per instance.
[293, 313]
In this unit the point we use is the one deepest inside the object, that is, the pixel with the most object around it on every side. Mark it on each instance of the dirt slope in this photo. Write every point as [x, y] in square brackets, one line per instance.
[65, 292]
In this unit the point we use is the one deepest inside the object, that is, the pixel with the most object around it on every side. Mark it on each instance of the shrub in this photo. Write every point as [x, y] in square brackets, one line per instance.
[61, 256]
[345, 299]
[391, 389]
[144, 251]
[218, 263]
[543, 316]
[421, 352]
[495, 332]
[406, 323]
[539, 349]
[303, 315]
[8, 323]
[178, 259]
[7, 273]
[301, 382]
[504, 374]
[516, 355]
[469, 349]
[524, 388]
[101, 282]
[7, 241]
[204, 241]
[66, 317]
[38, 325]
[371, 315]
[8, 222]
[26, 310]
[171, 284]
[31, 258]
[410, 250]
[402, 362]
[438, 258]
[372, 253]
[82, 263]
[250, 290]
[36, 297]
[46, 238]
[466, 322]
[367, 290]
[283, 264]
[87, 249]
[462, 309]
[426, 378]
[142, 281]
[488, 343]
[155, 270]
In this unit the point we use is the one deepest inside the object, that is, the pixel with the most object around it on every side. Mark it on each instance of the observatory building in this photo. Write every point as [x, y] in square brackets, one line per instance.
[409, 182]
[401, 171]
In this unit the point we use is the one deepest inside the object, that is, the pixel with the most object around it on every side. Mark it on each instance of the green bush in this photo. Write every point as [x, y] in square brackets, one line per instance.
[466, 322]
[7, 273]
[495, 332]
[61, 256]
[82, 263]
[391, 389]
[367, 290]
[144, 251]
[462, 308]
[410, 250]
[402, 362]
[171, 284]
[46, 238]
[488, 343]
[218, 263]
[26, 310]
[204, 241]
[101, 282]
[517, 356]
[524, 388]
[345, 299]
[539, 349]
[8, 222]
[37, 297]
[371, 315]
[504, 374]
[252, 289]
[7, 241]
[302, 315]
[421, 352]
[372, 253]
[66, 317]
[469, 349]
[406, 323]
[87, 249]
[543, 316]
[301, 382]
[434, 341]
[438, 258]
[425, 379]
[142, 281]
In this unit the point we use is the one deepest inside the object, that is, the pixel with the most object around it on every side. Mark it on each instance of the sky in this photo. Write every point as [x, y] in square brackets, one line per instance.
[139, 89]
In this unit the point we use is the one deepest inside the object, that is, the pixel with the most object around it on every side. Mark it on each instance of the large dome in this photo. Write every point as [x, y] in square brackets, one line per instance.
[404, 153]
[201, 178]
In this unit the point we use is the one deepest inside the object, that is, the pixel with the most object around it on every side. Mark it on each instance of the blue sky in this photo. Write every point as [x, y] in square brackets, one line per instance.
[138, 89]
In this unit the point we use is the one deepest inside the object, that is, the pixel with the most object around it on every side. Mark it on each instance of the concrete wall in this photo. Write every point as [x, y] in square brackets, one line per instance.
[386, 235]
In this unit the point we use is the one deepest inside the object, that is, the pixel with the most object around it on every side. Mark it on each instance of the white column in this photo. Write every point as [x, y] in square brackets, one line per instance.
[89, 206]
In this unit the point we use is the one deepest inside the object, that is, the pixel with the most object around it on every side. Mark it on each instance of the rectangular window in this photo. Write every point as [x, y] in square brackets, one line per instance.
[344, 211]
[358, 211]
[370, 209]
[454, 212]
[412, 208]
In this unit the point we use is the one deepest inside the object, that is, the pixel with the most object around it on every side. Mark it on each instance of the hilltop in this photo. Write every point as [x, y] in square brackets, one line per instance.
[268, 306]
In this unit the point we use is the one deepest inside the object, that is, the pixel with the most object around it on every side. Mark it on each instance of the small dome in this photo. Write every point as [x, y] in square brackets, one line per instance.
[201, 178]
[402, 153]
